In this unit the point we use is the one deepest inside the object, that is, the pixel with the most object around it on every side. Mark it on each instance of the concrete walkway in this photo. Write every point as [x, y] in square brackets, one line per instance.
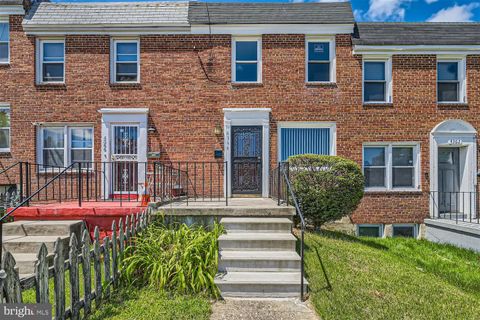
[268, 309]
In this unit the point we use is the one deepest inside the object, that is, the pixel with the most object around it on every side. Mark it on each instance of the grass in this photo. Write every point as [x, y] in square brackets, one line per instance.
[395, 278]
[150, 303]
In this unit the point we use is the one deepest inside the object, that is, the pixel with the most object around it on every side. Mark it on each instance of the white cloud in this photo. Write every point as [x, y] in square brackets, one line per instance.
[457, 13]
[381, 10]
[430, 1]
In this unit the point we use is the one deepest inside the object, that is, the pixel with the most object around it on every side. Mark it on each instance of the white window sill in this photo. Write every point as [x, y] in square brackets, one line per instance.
[4, 63]
[452, 102]
[5, 150]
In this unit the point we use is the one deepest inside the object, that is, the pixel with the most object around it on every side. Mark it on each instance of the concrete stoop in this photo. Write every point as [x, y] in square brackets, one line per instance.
[258, 258]
[23, 240]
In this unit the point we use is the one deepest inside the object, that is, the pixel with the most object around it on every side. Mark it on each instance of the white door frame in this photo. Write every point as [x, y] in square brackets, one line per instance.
[124, 116]
[454, 133]
[247, 117]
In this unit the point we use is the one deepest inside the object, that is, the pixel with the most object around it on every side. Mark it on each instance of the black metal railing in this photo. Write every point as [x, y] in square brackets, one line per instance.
[190, 181]
[460, 206]
[281, 189]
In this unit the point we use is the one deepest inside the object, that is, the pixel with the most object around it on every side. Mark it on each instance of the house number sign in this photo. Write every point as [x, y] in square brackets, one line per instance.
[455, 141]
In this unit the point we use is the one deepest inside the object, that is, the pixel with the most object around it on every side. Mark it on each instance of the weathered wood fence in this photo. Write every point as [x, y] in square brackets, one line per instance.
[107, 252]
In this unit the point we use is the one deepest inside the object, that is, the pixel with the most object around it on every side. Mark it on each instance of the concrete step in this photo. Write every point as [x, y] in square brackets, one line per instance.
[32, 244]
[257, 241]
[260, 284]
[42, 228]
[259, 261]
[26, 262]
[257, 224]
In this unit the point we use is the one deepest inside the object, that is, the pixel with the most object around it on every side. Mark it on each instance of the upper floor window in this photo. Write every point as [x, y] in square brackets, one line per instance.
[391, 166]
[126, 61]
[4, 41]
[377, 81]
[51, 61]
[451, 81]
[320, 60]
[247, 60]
[4, 129]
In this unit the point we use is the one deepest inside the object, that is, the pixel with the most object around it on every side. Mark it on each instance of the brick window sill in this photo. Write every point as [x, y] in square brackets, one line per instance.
[394, 192]
[51, 85]
[320, 84]
[448, 105]
[246, 84]
[378, 105]
[5, 154]
[128, 86]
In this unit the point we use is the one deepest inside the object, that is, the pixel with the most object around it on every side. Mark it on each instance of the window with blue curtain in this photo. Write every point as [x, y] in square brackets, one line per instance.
[296, 141]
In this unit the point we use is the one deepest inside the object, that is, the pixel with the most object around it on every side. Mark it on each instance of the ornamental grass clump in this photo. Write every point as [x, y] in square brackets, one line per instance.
[176, 258]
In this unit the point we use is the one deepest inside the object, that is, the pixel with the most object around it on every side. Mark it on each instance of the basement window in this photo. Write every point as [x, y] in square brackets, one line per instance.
[126, 61]
[405, 230]
[370, 230]
[4, 41]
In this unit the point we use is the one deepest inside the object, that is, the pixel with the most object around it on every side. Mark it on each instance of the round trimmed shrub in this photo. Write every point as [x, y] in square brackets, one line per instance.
[327, 187]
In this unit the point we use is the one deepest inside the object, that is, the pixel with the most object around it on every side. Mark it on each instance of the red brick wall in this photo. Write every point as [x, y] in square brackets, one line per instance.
[186, 103]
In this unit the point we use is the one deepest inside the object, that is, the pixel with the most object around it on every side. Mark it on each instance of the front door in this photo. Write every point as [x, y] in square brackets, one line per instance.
[247, 160]
[125, 159]
[448, 179]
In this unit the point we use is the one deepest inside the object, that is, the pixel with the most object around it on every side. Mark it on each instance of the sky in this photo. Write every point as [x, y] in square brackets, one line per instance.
[395, 10]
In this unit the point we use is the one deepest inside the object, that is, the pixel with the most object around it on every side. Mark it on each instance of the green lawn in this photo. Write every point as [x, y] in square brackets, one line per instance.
[391, 278]
[149, 303]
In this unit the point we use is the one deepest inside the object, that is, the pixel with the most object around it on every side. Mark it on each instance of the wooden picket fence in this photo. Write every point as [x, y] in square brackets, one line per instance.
[109, 252]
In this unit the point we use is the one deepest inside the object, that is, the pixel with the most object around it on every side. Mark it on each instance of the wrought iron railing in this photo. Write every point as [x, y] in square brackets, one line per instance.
[281, 189]
[190, 181]
[461, 206]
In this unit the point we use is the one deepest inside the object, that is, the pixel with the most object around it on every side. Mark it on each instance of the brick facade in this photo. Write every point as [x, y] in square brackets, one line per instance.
[185, 83]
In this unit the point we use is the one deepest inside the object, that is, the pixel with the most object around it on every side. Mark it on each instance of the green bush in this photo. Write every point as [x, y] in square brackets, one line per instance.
[328, 187]
[176, 258]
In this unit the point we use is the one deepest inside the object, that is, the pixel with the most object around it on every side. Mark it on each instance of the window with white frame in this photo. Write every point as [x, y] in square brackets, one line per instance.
[247, 60]
[126, 61]
[370, 230]
[320, 56]
[391, 166]
[59, 146]
[377, 81]
[451, 81]
[51, 66]
[404, 230]
[4, 128]
[4, 41]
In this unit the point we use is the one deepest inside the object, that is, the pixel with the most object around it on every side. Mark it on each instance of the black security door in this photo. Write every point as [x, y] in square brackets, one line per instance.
[247, 160]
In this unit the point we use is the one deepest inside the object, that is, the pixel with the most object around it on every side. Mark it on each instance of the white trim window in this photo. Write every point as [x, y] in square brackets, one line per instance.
[4, 128]
[451, 81]
[60, 146]
[377, 80]
[51, 61]
[126, 61]
[306, 137]
[406, 230]
[4, 41]
[370, 230]
[320, 60]
[393, 166]
[247, 60]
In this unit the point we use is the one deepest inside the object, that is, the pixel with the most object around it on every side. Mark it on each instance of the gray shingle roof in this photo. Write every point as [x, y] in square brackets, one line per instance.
[275, 13]
[427, 33]
[108, 13]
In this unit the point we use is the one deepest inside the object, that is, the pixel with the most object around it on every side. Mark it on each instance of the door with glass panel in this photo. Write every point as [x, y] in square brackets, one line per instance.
[448, 179]
[124, 159]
